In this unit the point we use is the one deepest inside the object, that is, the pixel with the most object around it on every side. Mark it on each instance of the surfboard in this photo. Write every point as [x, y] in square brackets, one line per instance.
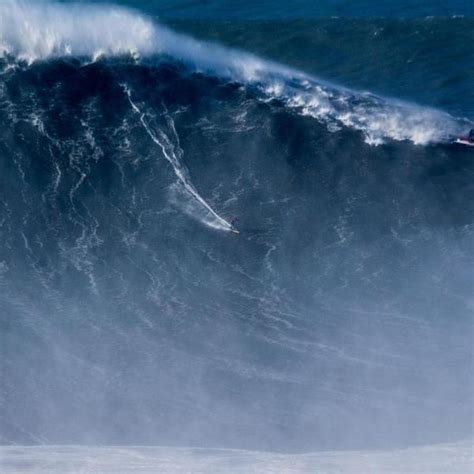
[463, 141]
[235, 231]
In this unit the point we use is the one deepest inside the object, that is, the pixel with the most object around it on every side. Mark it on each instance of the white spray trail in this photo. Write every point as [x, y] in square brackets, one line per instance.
[171, 152]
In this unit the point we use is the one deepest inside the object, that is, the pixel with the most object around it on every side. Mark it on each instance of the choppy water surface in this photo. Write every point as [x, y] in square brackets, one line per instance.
[339, 318]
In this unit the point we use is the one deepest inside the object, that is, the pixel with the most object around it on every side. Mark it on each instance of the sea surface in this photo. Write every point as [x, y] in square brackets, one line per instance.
[339, 318]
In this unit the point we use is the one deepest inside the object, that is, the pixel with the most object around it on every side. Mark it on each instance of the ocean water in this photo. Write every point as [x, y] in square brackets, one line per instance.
[340, 318]
[436, 459]
[297, 9]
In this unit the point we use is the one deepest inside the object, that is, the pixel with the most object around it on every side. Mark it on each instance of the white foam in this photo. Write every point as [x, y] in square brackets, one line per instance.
[39, 31]
[31, 32]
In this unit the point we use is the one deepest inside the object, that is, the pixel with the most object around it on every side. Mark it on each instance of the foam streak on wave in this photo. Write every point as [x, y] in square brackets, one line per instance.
[172, 153]
[30, 32]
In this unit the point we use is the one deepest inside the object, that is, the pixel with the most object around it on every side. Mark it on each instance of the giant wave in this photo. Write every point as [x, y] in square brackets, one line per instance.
[339, 318]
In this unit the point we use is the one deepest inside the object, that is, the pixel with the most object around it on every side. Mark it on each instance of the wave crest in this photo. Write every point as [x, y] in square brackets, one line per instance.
[33, 32]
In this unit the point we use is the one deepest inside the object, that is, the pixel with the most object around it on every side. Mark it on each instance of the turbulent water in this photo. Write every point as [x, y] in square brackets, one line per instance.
[341, 315]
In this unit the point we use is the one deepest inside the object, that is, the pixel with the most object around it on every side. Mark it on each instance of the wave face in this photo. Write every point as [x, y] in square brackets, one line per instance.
[341, 315]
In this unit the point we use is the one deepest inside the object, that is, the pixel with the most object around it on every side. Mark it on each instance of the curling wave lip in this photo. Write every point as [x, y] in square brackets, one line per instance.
[33, 32]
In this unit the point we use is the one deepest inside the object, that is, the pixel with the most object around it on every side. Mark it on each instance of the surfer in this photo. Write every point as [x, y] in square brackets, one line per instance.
[469, 137]
[233, 223]
[467, 140]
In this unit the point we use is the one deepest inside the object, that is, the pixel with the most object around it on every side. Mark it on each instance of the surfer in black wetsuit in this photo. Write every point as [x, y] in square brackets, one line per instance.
[233, 222]
[467, 139]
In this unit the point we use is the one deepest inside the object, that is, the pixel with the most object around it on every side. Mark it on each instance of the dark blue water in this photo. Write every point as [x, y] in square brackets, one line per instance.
[297, 9]
[341, 315]
[424, 60]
